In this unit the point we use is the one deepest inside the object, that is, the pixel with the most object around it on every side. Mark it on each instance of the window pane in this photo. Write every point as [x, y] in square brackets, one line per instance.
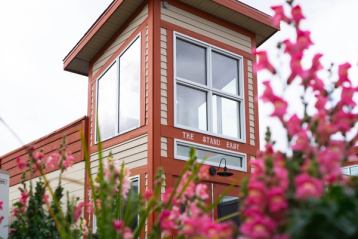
[227, 206]
[354, 170]
[225, 73]
[107, 103]
[129, 88]
[226, 116]
[190, 61]
[191, 107]
[211, 157]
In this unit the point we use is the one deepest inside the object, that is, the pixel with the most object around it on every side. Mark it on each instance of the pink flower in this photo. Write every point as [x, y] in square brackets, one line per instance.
[343, 74]
[280, 108]
[263, 62]
[297, 15]
[166, 195]
[69, 161]
[308, 187]
[280, 105]
[258, 227]
[38, 155]
[277, 200]
[257, 193]
[89, 207]
[21, 163]
[118, 225]
[279, 15]
[302, 141]
[126, 183]
[204, 172]
[127, 234]
[53, 161]
[303, 41]
[347, 97]
[148, 194]
[45, 199]
[293, 125]
[24, 197]
[78, 211]
[201, 191]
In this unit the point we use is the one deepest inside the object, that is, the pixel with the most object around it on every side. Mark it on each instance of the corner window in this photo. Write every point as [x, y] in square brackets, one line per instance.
[208, 89]
[350, 170]
[210, 155]
[227, 207]
[118, 94]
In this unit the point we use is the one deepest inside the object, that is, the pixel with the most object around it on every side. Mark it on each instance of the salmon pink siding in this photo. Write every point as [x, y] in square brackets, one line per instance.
[70, 134]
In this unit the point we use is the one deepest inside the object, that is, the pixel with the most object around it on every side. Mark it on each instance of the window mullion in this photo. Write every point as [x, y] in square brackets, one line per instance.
[210, 94]
[118, 95]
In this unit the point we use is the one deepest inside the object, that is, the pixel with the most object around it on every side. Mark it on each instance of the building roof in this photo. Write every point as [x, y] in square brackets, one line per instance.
[119, 11]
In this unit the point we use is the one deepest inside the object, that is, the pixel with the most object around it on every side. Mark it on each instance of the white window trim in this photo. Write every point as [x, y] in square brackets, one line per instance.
[210, 148]
[349, 168]
[116, 64]
[210, 90]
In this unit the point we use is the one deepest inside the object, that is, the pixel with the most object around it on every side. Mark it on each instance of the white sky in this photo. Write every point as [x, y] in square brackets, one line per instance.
[38, 97]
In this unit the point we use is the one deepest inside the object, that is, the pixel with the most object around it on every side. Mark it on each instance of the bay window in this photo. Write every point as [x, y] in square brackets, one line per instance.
[118, 94]
[209, 89]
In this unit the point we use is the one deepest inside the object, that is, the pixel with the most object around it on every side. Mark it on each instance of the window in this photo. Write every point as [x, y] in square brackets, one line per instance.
[350, 170]
[208, 89]
[228, 206]
[209, 155]
[133, 190]
[118, 94]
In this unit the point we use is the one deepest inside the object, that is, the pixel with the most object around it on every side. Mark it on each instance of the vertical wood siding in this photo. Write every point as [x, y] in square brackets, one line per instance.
[251, 104]
[163, 77]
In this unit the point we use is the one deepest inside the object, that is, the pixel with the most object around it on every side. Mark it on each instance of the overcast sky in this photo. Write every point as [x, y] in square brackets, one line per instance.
[38, 97]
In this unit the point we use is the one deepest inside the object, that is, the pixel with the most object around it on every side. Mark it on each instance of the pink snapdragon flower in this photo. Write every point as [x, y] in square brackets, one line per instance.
[279, 15]
[126, 183]
[53, 161]
[297, 15]
[201, 191]
[277, 199]
[78, 211]
[308, 187]
[118, 225]
[258, 227]
[263, 62]
[343, 74]
[293, 125]
[21, 163]
[69, 161]
[256, 193]
[24, 197]
[302, 142]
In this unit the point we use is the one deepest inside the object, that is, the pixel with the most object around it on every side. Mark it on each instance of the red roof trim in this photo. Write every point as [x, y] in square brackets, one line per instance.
[248, 11]
[91, 32]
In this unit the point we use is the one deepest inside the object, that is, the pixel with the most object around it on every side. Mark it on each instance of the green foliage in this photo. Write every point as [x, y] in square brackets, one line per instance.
[335, 215]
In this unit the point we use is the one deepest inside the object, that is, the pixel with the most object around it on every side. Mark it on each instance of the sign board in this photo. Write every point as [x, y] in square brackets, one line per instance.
[4, 197]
